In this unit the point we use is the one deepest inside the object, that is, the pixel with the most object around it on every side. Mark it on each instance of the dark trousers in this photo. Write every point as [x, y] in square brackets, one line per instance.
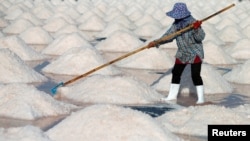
[195, 73]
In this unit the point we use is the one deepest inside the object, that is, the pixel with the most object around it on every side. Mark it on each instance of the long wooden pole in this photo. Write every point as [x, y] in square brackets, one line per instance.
[137, 50]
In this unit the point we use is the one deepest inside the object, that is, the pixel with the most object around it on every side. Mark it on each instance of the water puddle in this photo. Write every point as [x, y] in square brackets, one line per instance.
[153, 111]
[44, 123]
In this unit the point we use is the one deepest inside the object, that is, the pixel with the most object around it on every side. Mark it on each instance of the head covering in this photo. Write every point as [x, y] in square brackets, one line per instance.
[179, 11]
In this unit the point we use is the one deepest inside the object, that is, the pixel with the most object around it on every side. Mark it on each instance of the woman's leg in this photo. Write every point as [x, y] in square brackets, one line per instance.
[195, 73]
[177, 72]
[197, 80]
[175, 83]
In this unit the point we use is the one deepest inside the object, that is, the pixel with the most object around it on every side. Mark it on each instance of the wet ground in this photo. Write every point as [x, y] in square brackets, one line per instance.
[239, 96]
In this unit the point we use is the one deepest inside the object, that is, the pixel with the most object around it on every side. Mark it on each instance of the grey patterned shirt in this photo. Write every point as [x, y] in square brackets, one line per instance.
[189, 43]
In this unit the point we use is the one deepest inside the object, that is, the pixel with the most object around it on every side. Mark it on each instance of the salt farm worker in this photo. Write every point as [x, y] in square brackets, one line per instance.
[190, 50]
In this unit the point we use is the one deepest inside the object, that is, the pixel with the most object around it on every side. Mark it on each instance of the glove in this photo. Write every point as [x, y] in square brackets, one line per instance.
[151, 44]
[197, 24]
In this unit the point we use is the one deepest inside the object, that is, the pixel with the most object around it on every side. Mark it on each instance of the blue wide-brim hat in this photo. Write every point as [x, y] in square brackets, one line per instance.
[179, 11]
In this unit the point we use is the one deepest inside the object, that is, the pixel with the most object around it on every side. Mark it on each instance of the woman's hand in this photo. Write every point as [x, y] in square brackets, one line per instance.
[197, 24]
[151, 44]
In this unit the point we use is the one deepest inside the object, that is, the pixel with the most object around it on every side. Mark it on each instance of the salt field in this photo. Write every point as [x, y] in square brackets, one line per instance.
[46, 42]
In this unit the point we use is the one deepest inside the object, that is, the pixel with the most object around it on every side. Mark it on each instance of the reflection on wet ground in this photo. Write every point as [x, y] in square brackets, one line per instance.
[153, 111]
[43, 123]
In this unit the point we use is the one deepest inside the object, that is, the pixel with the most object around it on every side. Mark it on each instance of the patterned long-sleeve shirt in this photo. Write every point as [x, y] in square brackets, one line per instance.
[189, 43]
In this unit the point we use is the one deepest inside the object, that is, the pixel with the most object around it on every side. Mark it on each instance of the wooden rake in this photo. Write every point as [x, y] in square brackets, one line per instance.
[54, 90]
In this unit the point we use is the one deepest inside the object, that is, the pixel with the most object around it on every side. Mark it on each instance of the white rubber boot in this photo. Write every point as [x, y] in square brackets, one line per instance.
[200, 94]
[173, 92]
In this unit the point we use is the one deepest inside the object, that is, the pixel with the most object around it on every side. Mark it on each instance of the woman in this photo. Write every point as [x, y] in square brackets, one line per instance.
[190, 50]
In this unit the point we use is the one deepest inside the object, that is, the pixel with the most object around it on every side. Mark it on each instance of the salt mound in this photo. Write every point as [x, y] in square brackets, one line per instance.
[102, 6]
[158, 13]
[83, 60]
[5, 5]
[32, 18]
[214, 83]
[26, 4]
[134, 14]
[211, 31]
[230, 34]
[215, 20]
[71, 29]
[129, 125]
[120, 41]
[197, 119]
[54, 24]
[28, 132]
[56, 3]
[238, 74]
[244, 110]
[114, 12]
[83, 7]
[242, 15]
[148, 29]
[99, 24]
[3, 23]
[240, 50]
[84, 17]
[122, 6]
[136, 7]
[65, 30]
[1, 34]
[98, 11]
[145, 19]
[225, 22]
[110, 29]
[15, 70]
[234, 17]
[61, 15]
[244, 23]
[17, 26]
[72, 12]
[2, 8]
[216, 55]
[36, 35]
[147, 59]
[28, 103]
[13, 13]
[64, 43]
[151, 7]
[43, 11]
[111, 89]
[246, 31]
[18, 46]
[124, 20]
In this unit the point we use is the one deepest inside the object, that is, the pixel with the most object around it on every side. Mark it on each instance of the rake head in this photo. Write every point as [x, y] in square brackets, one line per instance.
[54, 90]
